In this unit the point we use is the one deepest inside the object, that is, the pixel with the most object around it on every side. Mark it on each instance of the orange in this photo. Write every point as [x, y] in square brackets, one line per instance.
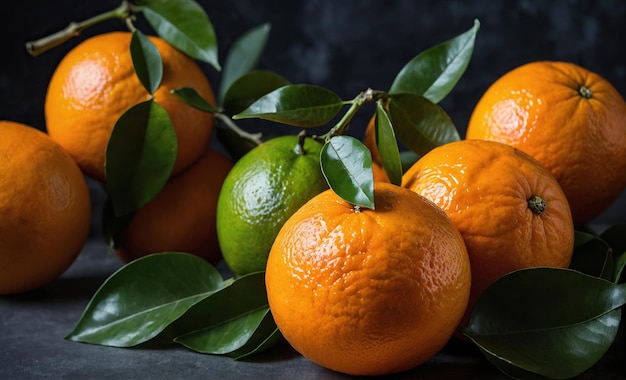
[380, 175]
[181, 218]
[511, 211]
[95, 83]
[570, 119]
[368, 292]
[45, 209]
[369, 139]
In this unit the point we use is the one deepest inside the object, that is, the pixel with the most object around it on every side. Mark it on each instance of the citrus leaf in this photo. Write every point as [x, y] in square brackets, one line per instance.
[264, 337]
[140, 156]
[272, 339]
[248, 290]
[249, 87]
[190, 96]
[146, 61]
[553, 322]
[229, 320]
[599, 325]
[138, 301]
[434, 72]
[185, 25]
[583, 237]
[509, 369]
[592, 256]
[113, 227]
[226, 337]
[301, 105]
[243, 56]
[615, 237]
[408, 158]
[388, 145]
[347, 166]
[420, 124]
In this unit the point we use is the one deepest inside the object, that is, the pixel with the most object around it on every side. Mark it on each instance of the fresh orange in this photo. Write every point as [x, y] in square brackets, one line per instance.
[368, 292]
[570, 119]
[95, 83]
[380, 175]
[45, 209]
[369, 139]
[511, 211]
[181, 217]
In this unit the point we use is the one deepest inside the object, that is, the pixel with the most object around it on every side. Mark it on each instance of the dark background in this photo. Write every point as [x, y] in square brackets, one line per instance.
[346, 46]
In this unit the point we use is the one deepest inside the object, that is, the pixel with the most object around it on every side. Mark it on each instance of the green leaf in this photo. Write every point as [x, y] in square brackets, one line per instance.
[190, 96]
[605, 322]
[243, 56]
[347, 166]
[301, 105]
[592, 256]
[388, 145]
[232, 319]
[142, 298]
[583, 237]
[434, 72]
[185, 25]
[113, 227]
[140, 156]
[552, 322]
[264, 337]
[226, 337]
[248, 88]
[420, 124]
[615, 237]
[408, 158]
[146, 61]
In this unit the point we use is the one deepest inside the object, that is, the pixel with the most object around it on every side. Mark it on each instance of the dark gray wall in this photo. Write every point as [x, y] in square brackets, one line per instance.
[348, 46]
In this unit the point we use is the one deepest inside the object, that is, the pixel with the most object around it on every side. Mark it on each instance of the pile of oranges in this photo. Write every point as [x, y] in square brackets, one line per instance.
[360, 291]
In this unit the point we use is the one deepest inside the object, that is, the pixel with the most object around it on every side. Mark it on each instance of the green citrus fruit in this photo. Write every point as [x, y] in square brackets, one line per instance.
[262, 190]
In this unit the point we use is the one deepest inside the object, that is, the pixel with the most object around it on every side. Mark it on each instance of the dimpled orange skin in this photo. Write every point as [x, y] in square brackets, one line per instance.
[484, 187]
[570, 119]
[182, 217]
[45, 209]
[369, 292]
[95, 84]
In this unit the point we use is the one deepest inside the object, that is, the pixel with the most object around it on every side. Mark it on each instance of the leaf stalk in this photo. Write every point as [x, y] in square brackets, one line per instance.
[366, 96]
[254, 137]
[123, 12]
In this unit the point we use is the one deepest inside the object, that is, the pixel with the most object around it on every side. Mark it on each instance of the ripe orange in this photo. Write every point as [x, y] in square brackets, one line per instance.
[511, 211]
[181, 217]
[369, 139]
[368, 292]
[264, 188]
[571, 120]
[45, 209]
[95, 83]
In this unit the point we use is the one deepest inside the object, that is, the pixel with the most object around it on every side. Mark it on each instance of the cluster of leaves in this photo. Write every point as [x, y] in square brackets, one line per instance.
[538, 321]
[556, 323]
[147, 303]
